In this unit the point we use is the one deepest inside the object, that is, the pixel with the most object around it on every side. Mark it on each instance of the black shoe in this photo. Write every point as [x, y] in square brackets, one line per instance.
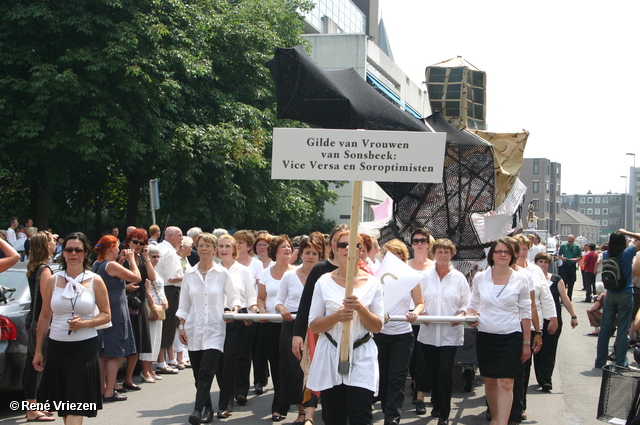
[546, 388]
[207, 414]
[488, 415]
[115, 397]
[258, 388]
[242, 400]
[394, 422]
[443, 422]
[421, 409]
[195, 418]
[435, 413]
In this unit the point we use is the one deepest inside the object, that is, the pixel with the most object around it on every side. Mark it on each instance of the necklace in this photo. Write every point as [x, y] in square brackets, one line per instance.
[75, 300]
[444, 273]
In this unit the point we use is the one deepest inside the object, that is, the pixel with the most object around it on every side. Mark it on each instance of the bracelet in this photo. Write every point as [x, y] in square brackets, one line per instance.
[180, 327]
[574, 317]
[538, 333]
[146, 261]
[526, 343]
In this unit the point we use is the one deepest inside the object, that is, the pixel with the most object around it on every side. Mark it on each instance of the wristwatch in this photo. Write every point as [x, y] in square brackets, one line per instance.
[538, 333]
[180, 327]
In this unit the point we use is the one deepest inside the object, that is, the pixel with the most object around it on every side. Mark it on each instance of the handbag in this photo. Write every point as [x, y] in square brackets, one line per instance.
[162, 314]
[33, 324]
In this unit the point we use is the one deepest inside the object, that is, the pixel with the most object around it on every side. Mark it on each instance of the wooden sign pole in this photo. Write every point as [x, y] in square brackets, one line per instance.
[345, 342]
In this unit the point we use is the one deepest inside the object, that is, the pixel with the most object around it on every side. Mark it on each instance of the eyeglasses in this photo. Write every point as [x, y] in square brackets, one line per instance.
[501, 252]
[422, 241]
[135, 242]
[155, 256]
[262, 246]
[346, 244]
[76, 250]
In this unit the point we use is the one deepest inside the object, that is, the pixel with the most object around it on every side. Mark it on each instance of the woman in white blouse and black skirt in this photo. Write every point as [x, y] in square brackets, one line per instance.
[501, 299]
[202, 327]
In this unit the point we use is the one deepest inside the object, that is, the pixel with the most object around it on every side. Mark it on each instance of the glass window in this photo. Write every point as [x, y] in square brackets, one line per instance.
[536, 166]
[536, 186]
[547, 187]
[582, 211]
[566, 230]
[535, 204]
[597, 211]
[605, 199]
[582, 199]
[605, 211]
[589, 200]
[597, 199]
[597, 222]
[605, 222]
[589, 211]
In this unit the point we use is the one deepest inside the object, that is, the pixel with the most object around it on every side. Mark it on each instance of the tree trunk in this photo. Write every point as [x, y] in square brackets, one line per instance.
[133, 197]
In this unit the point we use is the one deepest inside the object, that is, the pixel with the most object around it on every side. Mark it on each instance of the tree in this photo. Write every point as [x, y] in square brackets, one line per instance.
[97, 91]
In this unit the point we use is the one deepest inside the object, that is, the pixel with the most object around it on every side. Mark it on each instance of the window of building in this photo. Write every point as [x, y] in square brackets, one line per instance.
[605, 211]
[615, 210]
[583, 211]
[597, 211]
[605, 199]
[605, 222]
[536, 186]
[536, 166]
[566, 230]
[582, 199]
[589, 211]
[557, 207]
[615, 222]
[548, 168]
[597, 199]
[546, 206]
[597, 222]
[589, 200]
[535, 204]
[547, 187]
[367, 212]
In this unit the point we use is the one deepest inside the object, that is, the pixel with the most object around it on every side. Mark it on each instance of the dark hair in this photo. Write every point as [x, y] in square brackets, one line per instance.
[138, 234]
[320, 240]
[509, 244]
[592, 246]
[309, 242]
[275, 243]
[39, 253]
[85, 244]
[421, 231]
[261, 237]
[337, 229]
[543, 256]
[617, 244]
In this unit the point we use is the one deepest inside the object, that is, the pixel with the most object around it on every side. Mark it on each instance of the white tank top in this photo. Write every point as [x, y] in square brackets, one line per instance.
[73, 300]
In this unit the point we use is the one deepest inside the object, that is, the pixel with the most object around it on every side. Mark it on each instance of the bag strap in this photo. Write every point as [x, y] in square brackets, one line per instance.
[155, 286]
[36, 290]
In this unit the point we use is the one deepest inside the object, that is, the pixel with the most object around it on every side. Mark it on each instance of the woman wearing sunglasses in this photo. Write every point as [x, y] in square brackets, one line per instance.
[116, 341]
[346, 397]
[77, 300]
[501, 300]
[137, 241]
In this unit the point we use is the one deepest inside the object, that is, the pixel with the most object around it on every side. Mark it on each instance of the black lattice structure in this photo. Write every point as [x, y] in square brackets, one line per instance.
[342, 99]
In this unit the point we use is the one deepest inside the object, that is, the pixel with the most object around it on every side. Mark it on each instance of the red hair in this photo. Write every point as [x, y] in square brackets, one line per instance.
[104, 244]
[138, 234]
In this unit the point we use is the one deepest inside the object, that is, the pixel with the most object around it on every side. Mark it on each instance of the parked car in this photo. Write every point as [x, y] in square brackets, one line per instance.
[15, 302]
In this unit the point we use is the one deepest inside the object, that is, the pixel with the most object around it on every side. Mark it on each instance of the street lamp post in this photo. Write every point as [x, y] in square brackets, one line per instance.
[626, 178]
[634, 159]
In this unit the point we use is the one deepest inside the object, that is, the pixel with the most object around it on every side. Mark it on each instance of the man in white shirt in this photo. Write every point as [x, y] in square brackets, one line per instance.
[170, 270]
[11, 231]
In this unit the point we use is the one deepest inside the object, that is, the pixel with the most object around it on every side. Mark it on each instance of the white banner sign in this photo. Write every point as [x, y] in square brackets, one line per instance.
[364, 155]
[398, 279]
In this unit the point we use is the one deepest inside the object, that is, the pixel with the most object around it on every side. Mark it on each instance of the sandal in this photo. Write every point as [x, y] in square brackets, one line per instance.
[42, 418]
[277, 417]
[132, 387]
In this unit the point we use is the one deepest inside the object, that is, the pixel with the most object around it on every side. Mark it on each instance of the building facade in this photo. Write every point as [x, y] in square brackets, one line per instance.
[634, 191]
[610, 211]
[542, 177]
[579, 225]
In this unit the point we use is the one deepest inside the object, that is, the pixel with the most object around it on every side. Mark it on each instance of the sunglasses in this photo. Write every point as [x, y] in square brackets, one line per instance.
[346, 244]
[135, 242]
[422, 241]
[155, 256]
[76, 250]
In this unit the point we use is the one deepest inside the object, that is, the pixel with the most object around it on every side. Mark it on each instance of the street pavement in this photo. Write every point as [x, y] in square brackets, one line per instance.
[573, 400]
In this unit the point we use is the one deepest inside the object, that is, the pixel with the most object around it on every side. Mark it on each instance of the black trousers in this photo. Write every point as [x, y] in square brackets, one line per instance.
[394, 355]
[228, 366]
[544, 361]
[170, 324]
[204, 364]
[440, 371]
[259, 356]
[417, 366]
[243, 368]
[519, 389]
[344, 403]
[568, 275]
[590, 284]
[271, 334]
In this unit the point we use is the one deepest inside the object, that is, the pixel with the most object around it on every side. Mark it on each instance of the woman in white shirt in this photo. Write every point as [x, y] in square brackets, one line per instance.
[446, 293]
[237, 340]
[280, 250]
[346, 397]
[501, 299]
[205, 287]
[395, 343]
[289, 293]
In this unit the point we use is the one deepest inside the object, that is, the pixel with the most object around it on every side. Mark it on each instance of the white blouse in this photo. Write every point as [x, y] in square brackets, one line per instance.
[544, 300]
[501, 313]
[272, 286]
[363, 372]
[290, 291]
[244, 284]
[202, 306]
[446, 297]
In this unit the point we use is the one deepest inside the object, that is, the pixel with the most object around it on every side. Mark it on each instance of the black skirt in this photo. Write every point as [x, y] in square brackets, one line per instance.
[499, 355]
[71, 378]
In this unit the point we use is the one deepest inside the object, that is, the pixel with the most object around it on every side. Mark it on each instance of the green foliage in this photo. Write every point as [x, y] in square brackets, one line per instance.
[99, 96]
